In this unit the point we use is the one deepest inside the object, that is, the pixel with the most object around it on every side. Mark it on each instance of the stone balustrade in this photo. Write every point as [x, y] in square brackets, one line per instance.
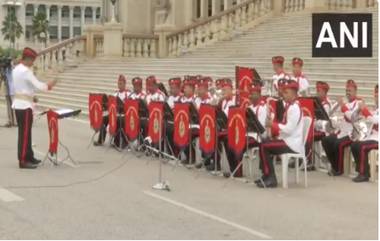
[98, 44]
[57, 56]
[219, 27]
[340, 4]
[290, 6]
[140, 46]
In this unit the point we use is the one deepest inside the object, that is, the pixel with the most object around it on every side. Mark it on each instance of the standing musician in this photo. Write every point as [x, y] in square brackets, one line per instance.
[288, 135]
[122, 93]
[300, 77]
[279, 73]
[203, 95]
[360, 149]
[137, 93]
[175, 91]
[188, 92]
[153, 92]
[25, 84]
[334, 144]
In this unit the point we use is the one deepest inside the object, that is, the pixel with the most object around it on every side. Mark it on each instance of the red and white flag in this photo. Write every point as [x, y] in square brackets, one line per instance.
[207, 128]
[95, 111]
[132, 119]
[155, 127]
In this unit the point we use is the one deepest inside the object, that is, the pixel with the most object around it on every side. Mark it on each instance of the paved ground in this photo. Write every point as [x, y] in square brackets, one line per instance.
[47, 204]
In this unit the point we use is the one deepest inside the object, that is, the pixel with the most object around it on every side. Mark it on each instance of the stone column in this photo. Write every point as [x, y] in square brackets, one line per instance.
[204, 8]
[315, 5]
[113, 39]
[35, 11]
[48, 19]
[82, 18]
[59, 31]
[215, 7]
[94, 15]
[228, 4]
[71, 21]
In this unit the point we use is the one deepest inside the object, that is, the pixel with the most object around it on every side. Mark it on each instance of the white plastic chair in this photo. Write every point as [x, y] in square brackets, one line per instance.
[373, 163]
[286, 157]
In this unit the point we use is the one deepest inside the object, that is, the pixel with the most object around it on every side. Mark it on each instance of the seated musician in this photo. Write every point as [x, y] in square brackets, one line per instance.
[203, 95]
[153, 92]
[279, 73]
[360, 149]
[289, 134]
[300, 77]
[188, 92]
[137, 93]
[228, 98]
[259, 107]
[334, 144]
[322, 91]
[174, 91]
[121, 93]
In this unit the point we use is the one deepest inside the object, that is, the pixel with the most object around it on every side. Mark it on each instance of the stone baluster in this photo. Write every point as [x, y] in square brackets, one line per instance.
[153, 49]
[199, 36]
[175, 45]
[223, 27]
[186, 40]
[139, 48]
[244, 17]
[170, 45]
[251, 12]
[133, 47]
[192, 38]
[238, 14]
[146, 48]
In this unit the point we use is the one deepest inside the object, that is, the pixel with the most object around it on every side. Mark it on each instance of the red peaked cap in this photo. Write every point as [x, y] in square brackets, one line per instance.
[29, 53]
[297, 61]
[290, 84]
[204, 82]
[255, 88]
[227, 83]
[122, 78]
[321, 85]
[189, 82]
[151, 80]
[137, 81]
[175, 81]
[278, 60]
[351, 83]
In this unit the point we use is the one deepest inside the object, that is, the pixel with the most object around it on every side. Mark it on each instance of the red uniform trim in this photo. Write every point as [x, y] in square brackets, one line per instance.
[366, 112]
[341, 147]
[365, 148]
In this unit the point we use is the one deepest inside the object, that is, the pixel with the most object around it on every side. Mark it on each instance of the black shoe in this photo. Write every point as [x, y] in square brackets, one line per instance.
[226, 174]
[27, 165]
[97, 143]
[199, 165]
[210, 167]
[269, 182]
[361, 178]
[334, 173]
[261, 179]
[35, 161]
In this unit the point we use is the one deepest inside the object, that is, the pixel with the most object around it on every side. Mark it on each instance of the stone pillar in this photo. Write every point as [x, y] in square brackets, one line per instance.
[113, 39]
[94, 15]
[215, 7]
[228, 4]
[204, 8]
[35, 11]
[48, 19]
[315, 5]
[163, 47]
[360, 4]
[82, 18]
[278, 7]
[59, 31]
[71, 21]
[91, 31]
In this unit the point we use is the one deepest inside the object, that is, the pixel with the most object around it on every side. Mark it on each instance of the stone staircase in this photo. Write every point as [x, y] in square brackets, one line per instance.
[289, 35]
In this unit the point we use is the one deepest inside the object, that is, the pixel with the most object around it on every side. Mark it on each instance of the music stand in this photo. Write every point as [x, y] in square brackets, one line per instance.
[54, 141]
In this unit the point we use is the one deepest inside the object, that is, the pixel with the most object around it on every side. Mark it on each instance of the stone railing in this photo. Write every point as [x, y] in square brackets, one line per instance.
[290, 6]
[340, 4]
[140, 45]
[57, 56]
[219, 27]
[371, 3]
[98, 45]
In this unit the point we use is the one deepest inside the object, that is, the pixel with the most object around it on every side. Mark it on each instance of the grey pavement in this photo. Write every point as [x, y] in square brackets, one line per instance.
[109, 196]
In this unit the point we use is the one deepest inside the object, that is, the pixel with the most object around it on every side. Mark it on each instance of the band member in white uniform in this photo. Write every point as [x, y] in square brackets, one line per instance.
[279, 73]
[203, 95]
[361, 149]
[322, 91]
[289, 134]
[300, 77]
[25, 84]
[153, 92]
[122, 93]
[175, 91]
[188, 92]
[334, 144]
[137, 93]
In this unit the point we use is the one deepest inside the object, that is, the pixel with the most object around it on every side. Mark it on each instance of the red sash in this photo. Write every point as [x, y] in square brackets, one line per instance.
[207, 129]
[181, 125]
[95, 111]
[132, 119]
[156, 112]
